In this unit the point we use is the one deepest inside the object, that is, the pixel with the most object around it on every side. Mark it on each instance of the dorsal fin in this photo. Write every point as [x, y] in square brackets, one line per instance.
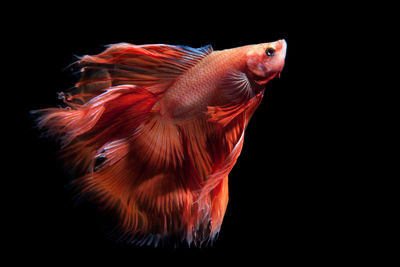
[150, 66]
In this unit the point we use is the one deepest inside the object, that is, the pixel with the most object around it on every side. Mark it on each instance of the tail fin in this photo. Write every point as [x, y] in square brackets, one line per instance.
[103, 119]
[133, 160]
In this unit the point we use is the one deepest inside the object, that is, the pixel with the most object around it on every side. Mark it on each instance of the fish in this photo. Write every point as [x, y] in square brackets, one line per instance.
[153, 131]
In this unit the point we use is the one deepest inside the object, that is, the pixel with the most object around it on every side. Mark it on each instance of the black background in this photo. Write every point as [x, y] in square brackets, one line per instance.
[288, 191]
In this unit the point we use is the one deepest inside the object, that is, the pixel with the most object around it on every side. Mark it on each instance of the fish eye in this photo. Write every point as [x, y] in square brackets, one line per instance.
[270, 52]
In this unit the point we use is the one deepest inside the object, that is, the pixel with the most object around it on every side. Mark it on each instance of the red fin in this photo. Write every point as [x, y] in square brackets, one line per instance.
[223, 115]
[164, 179]
[239, 92]
[233, 137]
[237, 87]
[152, 66]
[210, 153]
[232, 122]
[219, 202]
[134, 162]
[91, 126]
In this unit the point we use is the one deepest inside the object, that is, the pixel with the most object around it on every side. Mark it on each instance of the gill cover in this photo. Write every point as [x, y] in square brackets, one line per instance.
[265, 61]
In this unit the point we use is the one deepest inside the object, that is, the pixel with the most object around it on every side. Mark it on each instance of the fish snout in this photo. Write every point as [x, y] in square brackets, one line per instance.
[283, 46]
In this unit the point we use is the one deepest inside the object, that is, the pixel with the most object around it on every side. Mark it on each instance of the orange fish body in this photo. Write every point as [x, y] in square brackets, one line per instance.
[156, 129]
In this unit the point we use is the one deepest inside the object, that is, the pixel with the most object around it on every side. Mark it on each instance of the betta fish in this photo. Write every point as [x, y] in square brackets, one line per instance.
[154, 130]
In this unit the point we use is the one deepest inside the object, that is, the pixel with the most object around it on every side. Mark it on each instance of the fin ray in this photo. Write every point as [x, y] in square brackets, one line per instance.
[153, 66]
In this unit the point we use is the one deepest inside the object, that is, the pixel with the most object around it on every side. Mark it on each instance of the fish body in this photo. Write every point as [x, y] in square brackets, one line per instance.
[156, 129]
[207, 78]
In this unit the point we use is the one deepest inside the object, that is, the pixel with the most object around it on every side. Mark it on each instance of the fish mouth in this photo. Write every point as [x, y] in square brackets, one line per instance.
[283, 45]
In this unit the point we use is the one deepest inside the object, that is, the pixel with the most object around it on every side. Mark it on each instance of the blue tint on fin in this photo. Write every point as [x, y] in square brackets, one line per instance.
[202, 51]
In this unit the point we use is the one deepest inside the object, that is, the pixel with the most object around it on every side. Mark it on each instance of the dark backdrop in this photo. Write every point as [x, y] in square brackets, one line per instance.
[284, 196]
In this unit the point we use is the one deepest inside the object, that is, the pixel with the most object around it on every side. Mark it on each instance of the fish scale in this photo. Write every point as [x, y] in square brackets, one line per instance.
[198, 87]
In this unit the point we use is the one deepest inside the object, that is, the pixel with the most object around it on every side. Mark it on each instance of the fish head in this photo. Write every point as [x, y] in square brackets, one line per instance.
[265, 61]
